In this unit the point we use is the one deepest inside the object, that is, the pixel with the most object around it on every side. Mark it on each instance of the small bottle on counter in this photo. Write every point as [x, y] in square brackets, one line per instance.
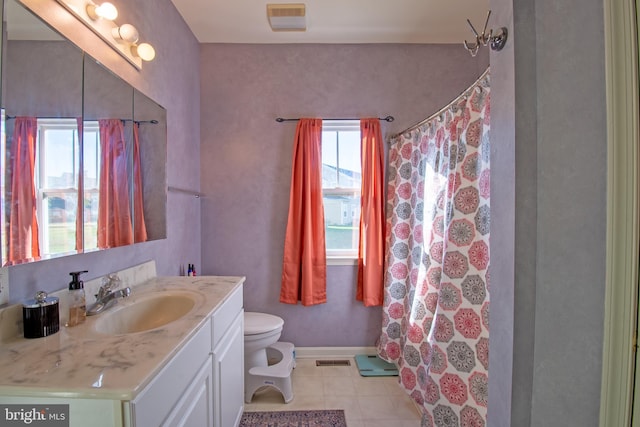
[189, 270]
[77, 301]
[193, 270]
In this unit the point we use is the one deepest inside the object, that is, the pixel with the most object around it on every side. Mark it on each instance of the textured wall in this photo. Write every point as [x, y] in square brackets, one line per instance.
[172, 80]
[549, 173]
[246, 156]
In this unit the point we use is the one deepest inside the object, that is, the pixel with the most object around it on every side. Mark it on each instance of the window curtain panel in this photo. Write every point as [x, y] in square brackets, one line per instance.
[114, 213]
[304, 270]
[140, 227]
[80, 203]
[436, 310]
[372, 219]
[22, 239]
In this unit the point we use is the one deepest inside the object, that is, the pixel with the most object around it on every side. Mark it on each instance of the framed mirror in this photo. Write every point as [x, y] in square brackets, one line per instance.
[83, 153]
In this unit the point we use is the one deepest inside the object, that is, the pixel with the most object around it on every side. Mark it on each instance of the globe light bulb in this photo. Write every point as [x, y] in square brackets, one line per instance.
[126, 32]
[106, 11]
[144, 51]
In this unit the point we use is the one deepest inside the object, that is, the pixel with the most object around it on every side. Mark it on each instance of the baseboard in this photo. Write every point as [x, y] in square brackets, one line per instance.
[332, 352]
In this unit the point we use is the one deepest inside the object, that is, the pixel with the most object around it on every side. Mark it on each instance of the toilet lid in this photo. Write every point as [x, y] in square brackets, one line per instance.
[259, 323]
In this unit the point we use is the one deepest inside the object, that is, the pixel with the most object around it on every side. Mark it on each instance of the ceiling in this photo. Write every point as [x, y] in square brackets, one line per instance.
[338, 21]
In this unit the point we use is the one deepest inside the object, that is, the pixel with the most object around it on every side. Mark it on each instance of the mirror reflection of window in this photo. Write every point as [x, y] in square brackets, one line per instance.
[91, 146]
[56, 178]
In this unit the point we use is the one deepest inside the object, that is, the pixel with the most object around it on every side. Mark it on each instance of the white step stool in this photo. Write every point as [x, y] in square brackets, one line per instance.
[277, 375]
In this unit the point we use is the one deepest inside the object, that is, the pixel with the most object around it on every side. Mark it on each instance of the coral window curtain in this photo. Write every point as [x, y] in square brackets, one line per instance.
[114, 214]
[436, 309]
[23, 229]
[304, 271]
[140, 227]
[372, 215]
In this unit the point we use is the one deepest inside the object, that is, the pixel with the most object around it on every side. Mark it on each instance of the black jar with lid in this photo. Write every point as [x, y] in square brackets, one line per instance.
[40, 316]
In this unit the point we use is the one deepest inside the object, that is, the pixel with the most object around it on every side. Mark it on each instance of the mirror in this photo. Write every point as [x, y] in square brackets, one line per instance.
[83, 154]
[151, 120]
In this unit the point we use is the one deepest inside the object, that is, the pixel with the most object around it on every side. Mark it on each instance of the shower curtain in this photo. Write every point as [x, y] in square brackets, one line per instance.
[436, 295]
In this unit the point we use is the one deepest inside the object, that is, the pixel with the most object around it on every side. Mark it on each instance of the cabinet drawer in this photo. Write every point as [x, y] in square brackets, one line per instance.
[224, 316]
[158, 398]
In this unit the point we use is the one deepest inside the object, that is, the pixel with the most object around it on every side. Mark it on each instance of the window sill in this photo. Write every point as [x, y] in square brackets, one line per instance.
[336, 260]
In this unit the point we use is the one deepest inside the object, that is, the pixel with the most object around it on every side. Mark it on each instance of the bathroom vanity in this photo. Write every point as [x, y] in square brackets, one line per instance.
[121, 369]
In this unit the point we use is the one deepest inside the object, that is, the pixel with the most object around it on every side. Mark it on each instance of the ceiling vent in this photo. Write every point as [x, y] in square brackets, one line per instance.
[287, 17]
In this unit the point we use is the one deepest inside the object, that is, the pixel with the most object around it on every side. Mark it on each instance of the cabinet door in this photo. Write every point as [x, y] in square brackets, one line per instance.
[195, 408]
[228, 375]
[166, 390]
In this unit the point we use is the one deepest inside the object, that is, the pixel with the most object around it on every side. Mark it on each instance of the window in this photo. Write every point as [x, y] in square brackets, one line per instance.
[57, 185]
[341, 181]
[57, 175]
[91, 158]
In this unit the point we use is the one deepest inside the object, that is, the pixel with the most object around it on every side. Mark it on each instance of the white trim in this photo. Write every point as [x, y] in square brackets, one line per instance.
[341, 261]
[341, 125]
[315, 352]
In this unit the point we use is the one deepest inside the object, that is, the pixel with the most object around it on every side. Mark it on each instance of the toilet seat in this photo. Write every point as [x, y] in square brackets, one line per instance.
[260, 323]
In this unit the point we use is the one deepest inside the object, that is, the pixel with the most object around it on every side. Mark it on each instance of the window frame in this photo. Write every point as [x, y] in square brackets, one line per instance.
[43, 191]
[342, 256]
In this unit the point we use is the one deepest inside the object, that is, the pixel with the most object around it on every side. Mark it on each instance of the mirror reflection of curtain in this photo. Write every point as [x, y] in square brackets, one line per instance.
[114, 213]
[23, 229]
[140, 228]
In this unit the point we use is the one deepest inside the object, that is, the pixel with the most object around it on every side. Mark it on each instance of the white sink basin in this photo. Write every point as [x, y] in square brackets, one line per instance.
[146, 312]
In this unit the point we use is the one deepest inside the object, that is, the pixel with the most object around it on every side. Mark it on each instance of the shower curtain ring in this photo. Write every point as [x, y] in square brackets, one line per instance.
[472, 47]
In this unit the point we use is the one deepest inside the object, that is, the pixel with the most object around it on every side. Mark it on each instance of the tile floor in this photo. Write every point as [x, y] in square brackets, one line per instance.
[367, 401]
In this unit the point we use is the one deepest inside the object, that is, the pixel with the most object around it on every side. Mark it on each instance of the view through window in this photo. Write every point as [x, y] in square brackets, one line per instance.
[57, 176]
[341, 181]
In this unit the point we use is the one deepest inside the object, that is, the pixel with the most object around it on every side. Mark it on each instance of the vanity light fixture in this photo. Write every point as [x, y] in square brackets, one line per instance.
[106, 11]
[124, 38]
[125, 32]
[144, 51]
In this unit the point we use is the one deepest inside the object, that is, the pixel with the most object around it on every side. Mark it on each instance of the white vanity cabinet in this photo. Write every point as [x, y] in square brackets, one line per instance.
[228, 362]
[203, 384]
[189, 372]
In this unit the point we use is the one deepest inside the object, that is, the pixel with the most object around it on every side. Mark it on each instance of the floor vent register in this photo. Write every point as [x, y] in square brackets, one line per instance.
[333, 363]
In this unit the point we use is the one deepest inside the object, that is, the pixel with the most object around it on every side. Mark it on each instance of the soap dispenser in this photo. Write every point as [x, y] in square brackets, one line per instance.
[77, 301]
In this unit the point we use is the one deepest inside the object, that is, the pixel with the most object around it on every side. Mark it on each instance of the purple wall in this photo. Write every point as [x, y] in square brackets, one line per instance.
[172, 80]
[246, 156]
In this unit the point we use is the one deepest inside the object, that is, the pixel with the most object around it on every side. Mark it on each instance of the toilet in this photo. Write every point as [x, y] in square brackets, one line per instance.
[267, 362]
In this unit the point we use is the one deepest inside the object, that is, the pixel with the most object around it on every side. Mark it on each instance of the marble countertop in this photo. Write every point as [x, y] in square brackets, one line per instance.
[79, 362]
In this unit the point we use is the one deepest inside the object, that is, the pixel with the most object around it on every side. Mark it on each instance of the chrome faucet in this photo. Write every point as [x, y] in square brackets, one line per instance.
[106, 296]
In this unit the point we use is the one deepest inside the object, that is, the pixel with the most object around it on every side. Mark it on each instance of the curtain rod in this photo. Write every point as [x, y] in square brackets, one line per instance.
[464, 93]
[155, 122]
[386, 119]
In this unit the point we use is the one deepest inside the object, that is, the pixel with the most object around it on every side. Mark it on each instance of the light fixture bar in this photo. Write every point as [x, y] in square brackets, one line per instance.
[103, 28]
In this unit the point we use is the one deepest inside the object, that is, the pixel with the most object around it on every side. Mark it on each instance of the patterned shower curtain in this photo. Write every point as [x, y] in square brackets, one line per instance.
[436, 302]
